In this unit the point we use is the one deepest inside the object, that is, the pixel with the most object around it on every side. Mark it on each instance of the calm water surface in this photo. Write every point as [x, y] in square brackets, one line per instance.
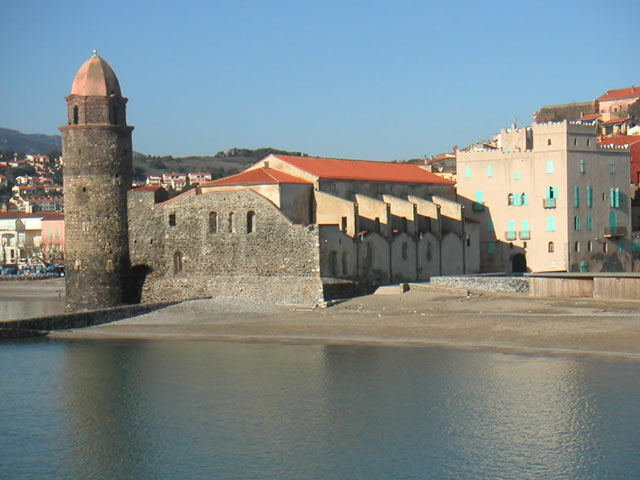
[146, 410]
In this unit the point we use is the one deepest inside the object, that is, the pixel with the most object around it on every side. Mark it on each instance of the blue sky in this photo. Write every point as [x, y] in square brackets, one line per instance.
[377, 80]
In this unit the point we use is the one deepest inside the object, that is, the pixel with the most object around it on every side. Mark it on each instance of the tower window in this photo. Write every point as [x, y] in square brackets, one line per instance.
[114, 115]
[75, 115]
[172, 219]
[177, 263]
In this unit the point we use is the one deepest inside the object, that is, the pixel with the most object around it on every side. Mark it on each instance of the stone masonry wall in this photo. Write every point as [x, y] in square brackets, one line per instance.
[490, 284]
[199, 245]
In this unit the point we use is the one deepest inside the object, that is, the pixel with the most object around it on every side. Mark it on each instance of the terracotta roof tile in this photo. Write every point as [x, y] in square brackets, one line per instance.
[620, 93]
[340, 169]
[613, 121]
[620, 140]
[257, 176]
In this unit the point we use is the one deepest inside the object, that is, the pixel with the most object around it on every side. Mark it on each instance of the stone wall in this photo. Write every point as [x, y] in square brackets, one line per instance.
[89, 318]
[97, 176]
[490, 284]
[222, 244]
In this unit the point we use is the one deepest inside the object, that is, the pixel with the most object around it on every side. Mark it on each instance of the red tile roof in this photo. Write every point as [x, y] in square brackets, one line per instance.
[620, 93]
[13, 214]
[593, 116]
[257, 176]
[620, 140]
[340, 169]
[613, 121]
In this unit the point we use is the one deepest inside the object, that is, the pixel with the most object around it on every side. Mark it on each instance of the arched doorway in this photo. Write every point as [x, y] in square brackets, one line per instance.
[519, 263]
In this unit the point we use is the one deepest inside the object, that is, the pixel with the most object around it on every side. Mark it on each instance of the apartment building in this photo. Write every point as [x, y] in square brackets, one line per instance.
[549, 198]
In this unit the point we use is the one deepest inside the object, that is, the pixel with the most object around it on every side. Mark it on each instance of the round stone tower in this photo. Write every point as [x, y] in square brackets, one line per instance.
[96, 151]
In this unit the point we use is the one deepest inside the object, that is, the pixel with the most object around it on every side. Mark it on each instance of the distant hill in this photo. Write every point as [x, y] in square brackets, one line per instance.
[222, 164]
[28, 143]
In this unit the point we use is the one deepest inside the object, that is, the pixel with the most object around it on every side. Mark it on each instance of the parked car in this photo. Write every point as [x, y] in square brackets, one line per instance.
[57, 269]
[9, 270]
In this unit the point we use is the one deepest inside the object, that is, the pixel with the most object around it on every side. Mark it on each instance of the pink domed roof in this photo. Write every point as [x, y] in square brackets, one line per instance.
[95, 79]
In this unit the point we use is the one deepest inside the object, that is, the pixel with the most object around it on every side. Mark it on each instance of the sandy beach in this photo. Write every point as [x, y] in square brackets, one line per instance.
[423, 316]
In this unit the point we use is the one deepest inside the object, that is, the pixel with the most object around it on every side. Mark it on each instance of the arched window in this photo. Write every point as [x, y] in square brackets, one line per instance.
[232, 224]
[576, 246]
[251, 221]
[377, 226]
[213, 222]
[510, 199]
[75, 115]
[550, 247]
[177, 263]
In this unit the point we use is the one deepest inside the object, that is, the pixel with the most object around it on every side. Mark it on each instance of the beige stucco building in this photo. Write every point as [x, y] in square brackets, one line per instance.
[549, 198]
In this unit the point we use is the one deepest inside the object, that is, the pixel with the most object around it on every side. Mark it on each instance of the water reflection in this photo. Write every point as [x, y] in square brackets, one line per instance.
[141, 409]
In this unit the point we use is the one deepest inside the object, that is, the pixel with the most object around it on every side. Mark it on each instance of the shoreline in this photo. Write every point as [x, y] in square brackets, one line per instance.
[424, 317]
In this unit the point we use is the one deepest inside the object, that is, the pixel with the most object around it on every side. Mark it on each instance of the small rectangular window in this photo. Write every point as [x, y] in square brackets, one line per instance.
[576, 196]
[490, 248]
[549, 166]
[583, 166]
[467, 172]
[589, 222]
[479, 196]
[172, 219]
[576, 223]
[343, 224]
[612, 167]
[489, 171]
[551, 224]
[516, 175]
[589, 197]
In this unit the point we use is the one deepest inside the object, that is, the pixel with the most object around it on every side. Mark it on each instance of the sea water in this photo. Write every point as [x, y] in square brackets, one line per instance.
[200, 409]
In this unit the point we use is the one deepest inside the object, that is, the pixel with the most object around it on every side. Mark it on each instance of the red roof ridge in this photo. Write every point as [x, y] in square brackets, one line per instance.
[618, 93]
[255, 176]
[363, 170]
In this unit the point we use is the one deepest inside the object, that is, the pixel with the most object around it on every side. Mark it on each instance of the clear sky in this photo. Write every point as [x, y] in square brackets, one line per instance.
[377, 80]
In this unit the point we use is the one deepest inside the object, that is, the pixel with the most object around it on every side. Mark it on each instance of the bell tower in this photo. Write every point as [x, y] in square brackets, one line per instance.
[97, 156]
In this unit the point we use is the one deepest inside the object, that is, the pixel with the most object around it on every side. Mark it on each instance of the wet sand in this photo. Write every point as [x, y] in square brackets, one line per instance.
[423, 316]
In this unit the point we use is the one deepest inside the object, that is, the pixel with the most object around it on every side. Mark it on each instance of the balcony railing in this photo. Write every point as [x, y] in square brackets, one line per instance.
[511, 235]
[525, 235]
[615, 231]
[477, 207]
[549, 202]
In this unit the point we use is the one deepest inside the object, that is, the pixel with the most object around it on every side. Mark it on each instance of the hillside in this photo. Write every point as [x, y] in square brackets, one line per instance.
[28, 143]
[219, 165]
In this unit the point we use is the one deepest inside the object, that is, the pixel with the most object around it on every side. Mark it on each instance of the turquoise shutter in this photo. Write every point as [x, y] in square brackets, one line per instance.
[576, 196]
[511, 226]
[525, 198]
[589, 197]
[551, 224]
[479, 196]
[613, 219]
